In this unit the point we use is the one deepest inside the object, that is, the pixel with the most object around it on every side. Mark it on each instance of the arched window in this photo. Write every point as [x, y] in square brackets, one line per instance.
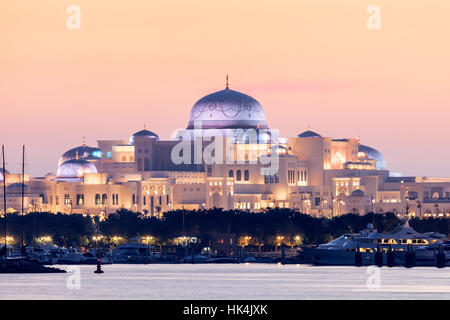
[104, 199]
[146, 165]
[97, 199]
[139, 164]
[230, 174]
[152, 205]
[117, 198]
[238, 175]
[134, 199]
[412, 195]
[246, 175]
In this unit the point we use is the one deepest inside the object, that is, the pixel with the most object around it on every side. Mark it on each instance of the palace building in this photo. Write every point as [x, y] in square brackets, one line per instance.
[227, 157]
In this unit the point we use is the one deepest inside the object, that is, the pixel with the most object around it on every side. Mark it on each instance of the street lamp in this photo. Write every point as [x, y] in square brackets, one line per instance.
[279, 239]
[96, 239]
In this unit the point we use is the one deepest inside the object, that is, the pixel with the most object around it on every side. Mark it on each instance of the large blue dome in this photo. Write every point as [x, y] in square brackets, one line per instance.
[228, 109]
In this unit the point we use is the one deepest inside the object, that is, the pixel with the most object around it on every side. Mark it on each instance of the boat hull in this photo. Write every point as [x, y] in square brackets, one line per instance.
[345, 258]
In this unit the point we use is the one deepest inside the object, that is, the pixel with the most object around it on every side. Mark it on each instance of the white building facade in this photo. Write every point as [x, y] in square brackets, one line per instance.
[318, 175]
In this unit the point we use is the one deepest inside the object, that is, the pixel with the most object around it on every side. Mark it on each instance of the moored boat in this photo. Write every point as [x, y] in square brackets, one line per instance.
[426, 255]
[133, 253]
[342, 250]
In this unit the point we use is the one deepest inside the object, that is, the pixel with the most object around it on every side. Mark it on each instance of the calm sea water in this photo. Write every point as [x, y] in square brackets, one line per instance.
[254, 281]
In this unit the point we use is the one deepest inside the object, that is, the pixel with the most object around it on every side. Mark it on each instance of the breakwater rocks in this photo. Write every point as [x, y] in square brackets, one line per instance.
[23, 266]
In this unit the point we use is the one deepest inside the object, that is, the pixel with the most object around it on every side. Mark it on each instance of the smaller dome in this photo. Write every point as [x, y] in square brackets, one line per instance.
[1, 174]
[357, 193]
[309, 134]
[16, 188]
[83, 152]
[366, 152]
[143, 133]
[75, 168]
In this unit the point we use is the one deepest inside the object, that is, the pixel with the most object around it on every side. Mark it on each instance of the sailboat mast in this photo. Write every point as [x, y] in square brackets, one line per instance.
[23, 190]
[4, 191]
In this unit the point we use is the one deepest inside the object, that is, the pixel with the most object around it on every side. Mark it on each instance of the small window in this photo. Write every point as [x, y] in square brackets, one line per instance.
[246, 175]
[80, 199]
[317, 201]
[238, 175]
[230, 174]
[97, 199]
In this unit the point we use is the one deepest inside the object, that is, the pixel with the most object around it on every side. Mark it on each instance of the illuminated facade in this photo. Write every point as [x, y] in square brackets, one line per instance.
[314, 174]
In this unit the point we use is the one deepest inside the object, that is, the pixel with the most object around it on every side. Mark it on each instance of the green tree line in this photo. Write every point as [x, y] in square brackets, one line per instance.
[262, 227]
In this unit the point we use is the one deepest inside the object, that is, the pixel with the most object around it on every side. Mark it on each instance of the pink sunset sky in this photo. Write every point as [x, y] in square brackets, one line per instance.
[308, 62]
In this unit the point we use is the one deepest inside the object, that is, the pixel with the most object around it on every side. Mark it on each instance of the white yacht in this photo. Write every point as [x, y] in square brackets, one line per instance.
[42, 254]
[341, 251]
[133, 253]
[72, 256]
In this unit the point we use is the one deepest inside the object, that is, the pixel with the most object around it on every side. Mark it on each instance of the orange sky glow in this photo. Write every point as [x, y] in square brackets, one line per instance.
[308, 62]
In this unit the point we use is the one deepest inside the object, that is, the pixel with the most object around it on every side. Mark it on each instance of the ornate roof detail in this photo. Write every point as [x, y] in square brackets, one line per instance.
[228, 109]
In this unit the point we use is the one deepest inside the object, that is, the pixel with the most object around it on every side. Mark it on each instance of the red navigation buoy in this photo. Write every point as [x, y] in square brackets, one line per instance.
[99, 267]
